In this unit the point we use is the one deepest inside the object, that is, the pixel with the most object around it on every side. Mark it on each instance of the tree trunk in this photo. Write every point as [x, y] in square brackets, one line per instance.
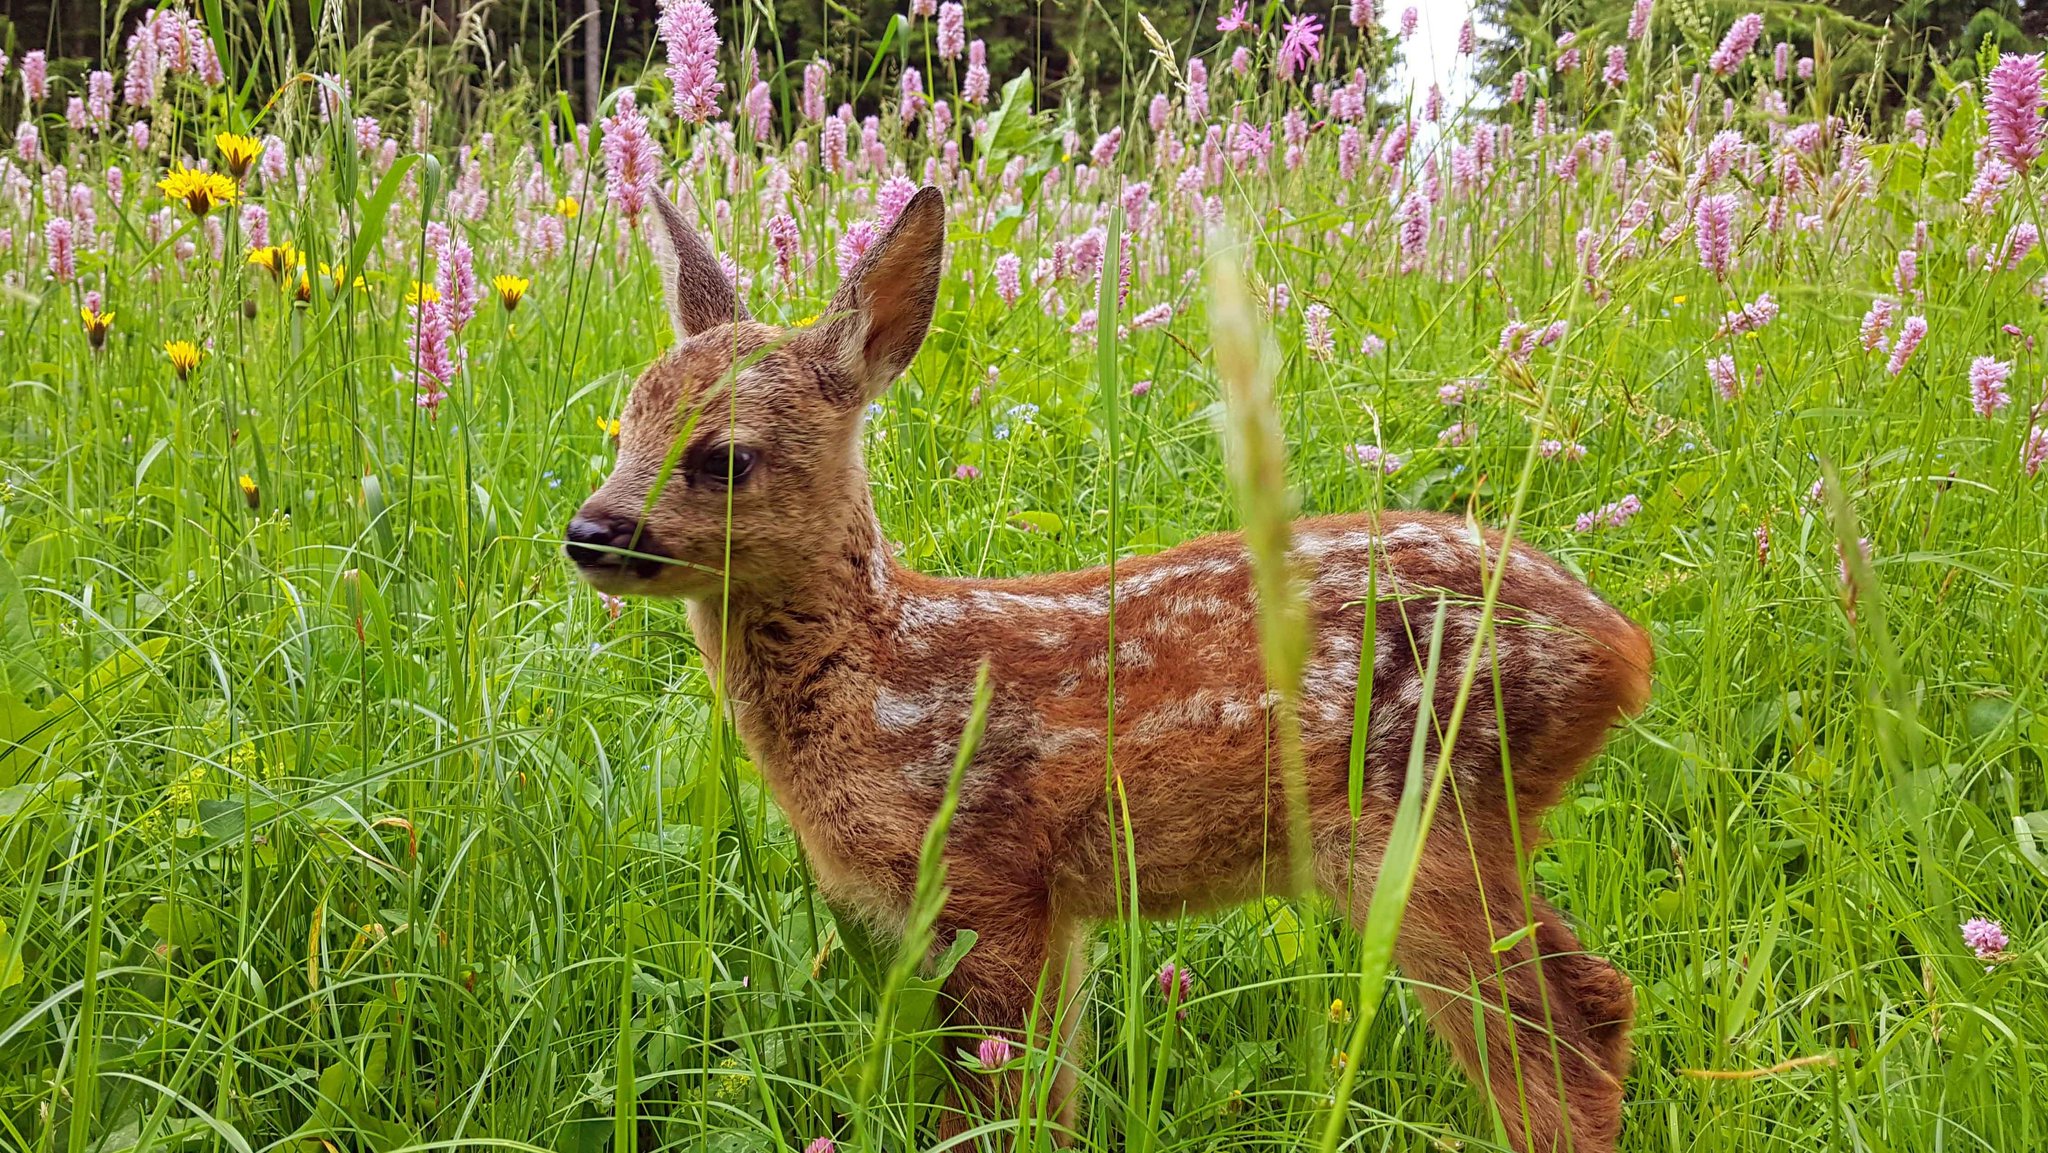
[593, 62]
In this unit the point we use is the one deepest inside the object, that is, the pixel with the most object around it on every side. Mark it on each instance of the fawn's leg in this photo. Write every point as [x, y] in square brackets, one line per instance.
[1556, 1019]
[998, 986]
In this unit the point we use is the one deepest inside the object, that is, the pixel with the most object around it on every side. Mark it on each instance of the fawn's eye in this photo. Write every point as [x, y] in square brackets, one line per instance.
[722, 464]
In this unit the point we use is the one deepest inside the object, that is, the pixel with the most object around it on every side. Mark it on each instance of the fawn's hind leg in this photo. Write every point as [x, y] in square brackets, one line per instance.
[1555, 1019]
[1555, 1042]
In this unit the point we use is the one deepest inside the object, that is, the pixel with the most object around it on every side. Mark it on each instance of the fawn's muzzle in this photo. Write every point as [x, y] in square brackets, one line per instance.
[612, 544]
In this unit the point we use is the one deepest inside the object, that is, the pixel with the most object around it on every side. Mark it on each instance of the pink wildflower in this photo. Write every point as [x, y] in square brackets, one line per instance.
[1236, 20]
[433, 361]
[1987, 385]
[1616, 73]
[784, 238]
[62, 252]
[1300, 45]
[1468, 38]
[1910, 336]
[1737, 44]
[952, 36]
[1613, 515]
[1009, 278]
[812, 106]
[1714, 233]
[894, 197]
[1315, 331]
[993, 1052]
[1876, 322]
[821, 1145]
[1414, 218]
[758, 111]
[689, 31]
[1153, 317]
[911, 95]
[2036, 452]
[1639, 19]
[1727, 381]
[854, 243]
[630, 159]
[974, 89]
[2012, 105]
[35, 76]
[1410, 19]
[1985, 937]
[1904, 270]
[1176, 985]
[1750, 317]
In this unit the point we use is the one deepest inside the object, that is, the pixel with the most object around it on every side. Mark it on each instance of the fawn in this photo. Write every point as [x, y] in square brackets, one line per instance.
[851, 678]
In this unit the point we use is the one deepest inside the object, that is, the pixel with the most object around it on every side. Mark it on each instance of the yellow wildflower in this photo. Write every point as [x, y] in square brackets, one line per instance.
[567, 208]
[608, 426]
[96, 325]
[250, 493]
[239, 152]
[421, 291]
[184, 356]
[808, 321]
[279, 259]
[511, 289]
[339, 275]
[199, 190]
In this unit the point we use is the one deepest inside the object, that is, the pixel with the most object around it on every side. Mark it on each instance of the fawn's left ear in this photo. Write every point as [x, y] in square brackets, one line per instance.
[879, 317]
[699, 296]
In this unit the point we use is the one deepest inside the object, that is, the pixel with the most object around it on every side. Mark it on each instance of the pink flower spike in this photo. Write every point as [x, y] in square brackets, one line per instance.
[689, 31]
[1987, 385]
[821, 1145]
[2012, 105]
[1985, 937]
[2036, 452]
[1736, 46]
[1714, 233]
[1910, 335]
[1727, 381]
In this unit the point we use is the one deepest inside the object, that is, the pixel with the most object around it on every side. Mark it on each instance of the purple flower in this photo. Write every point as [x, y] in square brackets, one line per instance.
[1612, 515]
[1315, 331]
[1737, 44]
[1457, 434]
[952, 30]
[1152, 317]
[1616, 73]
[35, 76]
[1910, 335]
[1372, 456]
[1727, 381]
[1176, 985]
[813, 104]
[1468, 39]
[1876, 322]
[1639, 20]
[757, 111]
[630, 159]
[1751, 317]
[1906, 268]
[966, 472]
[1300, 45]
[433, 360]
[1372, 345]
[1140, 388]
[821, 1145]
[910, 89]
[689, 30]
[974, 89]
[1410, 18]
[1987, 385]
[994, 1052]
[854, 243]
[1009, 278]
[62, 251]
[1236, 20]
[1985, 937]
[784, 238]
[1414, 217]
[2036, 452]
[2012, 104]
[1714, 233]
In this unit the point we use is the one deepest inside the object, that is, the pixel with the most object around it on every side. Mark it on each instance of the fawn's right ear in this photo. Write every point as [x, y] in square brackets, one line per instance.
[878, 318]
[698, 295]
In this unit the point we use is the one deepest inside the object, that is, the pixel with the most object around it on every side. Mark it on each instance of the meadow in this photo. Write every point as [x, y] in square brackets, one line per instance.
[339, 815]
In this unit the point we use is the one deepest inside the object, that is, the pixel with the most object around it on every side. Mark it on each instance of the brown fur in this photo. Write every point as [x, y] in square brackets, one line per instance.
[851, 676]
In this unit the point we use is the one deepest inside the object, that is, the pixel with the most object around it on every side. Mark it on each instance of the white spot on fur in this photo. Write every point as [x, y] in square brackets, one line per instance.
[898, 713]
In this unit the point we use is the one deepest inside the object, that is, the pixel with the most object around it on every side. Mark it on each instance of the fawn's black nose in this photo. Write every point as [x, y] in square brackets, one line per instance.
[590, 541]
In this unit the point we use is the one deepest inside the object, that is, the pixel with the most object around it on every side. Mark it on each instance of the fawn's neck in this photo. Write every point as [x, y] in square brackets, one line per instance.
[775, 645]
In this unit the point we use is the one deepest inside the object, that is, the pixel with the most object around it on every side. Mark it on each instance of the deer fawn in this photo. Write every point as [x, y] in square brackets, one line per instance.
[851, 679]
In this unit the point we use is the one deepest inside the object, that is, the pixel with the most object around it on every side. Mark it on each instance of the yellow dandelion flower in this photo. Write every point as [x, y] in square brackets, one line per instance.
[184, 356]
[250, 493]
[608, 425]
[1679, 299]
[808, 321]
[339, 275]
[279, 259]
[199, 190]
[567, 208]
[239, 152]
[96, 325]
[511, 289]
[302, 291]
[421, 291]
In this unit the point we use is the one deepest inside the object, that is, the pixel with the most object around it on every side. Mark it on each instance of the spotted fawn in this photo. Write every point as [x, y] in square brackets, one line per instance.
[740, 487]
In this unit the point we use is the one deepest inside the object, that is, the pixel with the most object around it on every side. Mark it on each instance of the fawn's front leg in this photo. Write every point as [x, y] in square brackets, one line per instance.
[1025, 963]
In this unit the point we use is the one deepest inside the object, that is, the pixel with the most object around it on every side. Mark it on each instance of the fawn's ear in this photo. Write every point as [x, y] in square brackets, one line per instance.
[879, 316]
[699, 297]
